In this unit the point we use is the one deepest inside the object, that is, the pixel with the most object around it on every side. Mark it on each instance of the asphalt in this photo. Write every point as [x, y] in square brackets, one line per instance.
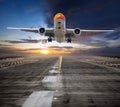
[68, 81]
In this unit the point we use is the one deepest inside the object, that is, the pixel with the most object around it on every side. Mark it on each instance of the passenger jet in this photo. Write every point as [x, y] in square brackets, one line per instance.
[59, 32]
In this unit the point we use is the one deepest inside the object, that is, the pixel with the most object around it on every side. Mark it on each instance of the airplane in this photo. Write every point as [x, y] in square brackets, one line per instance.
[59, 32]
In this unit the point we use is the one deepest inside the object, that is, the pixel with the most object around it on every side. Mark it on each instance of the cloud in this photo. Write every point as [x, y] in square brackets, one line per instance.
[107, 51]
[105, 40]
[84, 13]
[63, 47]
[114, 43]
[11, 51]
[23, 41]
[4, 45]
[13, 41]
[114, 35]
[104, 51]
[30, 40]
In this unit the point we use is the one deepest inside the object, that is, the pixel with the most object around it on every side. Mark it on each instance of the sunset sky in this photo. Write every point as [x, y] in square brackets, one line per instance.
[84, 14]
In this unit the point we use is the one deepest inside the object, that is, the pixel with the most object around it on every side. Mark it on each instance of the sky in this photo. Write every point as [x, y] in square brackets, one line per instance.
[83, 14]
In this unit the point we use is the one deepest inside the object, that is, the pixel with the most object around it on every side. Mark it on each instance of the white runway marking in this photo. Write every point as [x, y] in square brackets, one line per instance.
[57, 67]
[39, 99]
[44, 98]
[53, 71]
[50, 79]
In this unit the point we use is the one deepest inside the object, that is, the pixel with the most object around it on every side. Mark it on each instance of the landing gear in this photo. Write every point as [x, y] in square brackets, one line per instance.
[50, 39]
[69, 40]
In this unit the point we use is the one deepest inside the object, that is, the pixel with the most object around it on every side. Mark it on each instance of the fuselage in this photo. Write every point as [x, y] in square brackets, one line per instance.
[59, 27]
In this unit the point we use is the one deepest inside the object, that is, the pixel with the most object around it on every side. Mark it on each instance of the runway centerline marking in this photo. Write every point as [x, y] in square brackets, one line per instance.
[50, 79]
[55, 69]
[45, 98]
[39, 99]
[60, 63]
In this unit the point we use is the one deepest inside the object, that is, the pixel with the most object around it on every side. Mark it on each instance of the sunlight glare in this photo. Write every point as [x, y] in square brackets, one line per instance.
[45, 52]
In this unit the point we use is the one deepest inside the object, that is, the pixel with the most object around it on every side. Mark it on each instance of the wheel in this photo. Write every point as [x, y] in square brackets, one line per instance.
[49, 39]
[68, 40]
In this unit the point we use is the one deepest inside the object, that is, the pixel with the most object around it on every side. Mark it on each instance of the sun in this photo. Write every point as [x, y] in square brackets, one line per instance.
[45, 52]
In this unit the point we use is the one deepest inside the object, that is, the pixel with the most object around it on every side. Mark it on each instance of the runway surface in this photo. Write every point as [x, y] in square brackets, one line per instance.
[63, 81]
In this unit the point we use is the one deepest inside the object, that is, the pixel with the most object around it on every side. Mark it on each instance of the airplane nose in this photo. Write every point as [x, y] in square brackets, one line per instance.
[59, 16]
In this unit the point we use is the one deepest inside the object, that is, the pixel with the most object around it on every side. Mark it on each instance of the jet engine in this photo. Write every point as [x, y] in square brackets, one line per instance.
[41, 31]
[77, 31]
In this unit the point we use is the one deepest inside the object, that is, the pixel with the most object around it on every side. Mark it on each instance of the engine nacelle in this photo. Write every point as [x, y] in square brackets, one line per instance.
[77, 31]
[41, 31]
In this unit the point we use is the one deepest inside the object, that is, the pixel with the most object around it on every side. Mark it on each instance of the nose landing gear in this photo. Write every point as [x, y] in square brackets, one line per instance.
[68, 39]
[50, 39]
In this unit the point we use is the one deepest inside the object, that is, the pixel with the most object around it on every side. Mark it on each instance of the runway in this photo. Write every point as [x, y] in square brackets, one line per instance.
[61, 81]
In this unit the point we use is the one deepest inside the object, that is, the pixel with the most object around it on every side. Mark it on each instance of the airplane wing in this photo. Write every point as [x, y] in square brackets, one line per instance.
[48, 31]
[86, 32]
